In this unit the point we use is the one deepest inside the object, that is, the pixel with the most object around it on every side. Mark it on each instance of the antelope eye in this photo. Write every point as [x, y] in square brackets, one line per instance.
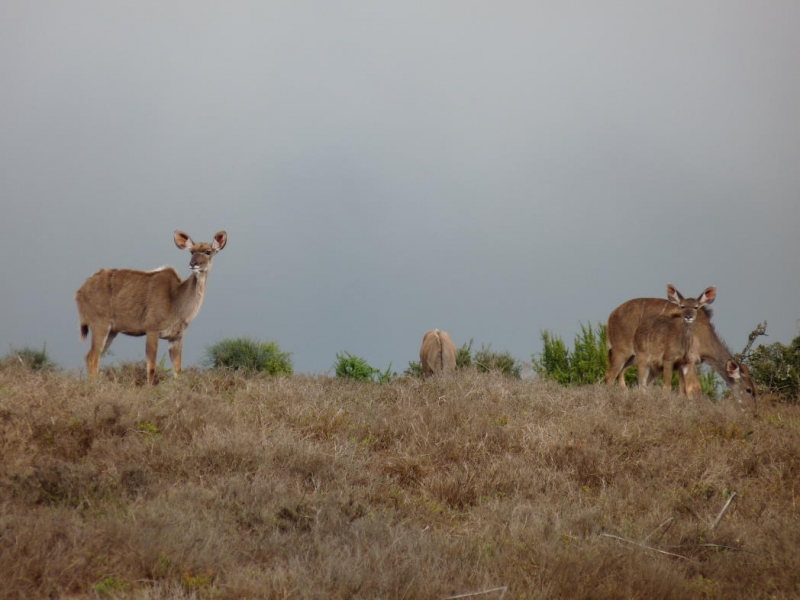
[208, 253]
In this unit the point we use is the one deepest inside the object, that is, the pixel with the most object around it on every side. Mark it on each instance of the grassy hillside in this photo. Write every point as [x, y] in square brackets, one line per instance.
[231, 487]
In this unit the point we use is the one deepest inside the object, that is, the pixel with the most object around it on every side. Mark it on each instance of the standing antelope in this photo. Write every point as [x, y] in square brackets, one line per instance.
[625, 320]
[666, 340]
[438, 353]
[156, 304]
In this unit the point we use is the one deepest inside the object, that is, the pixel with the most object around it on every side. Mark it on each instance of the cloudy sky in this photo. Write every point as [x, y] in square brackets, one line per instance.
[492, 169]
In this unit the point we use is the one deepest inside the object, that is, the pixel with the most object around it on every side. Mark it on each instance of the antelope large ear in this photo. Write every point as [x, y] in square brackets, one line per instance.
[708, 296]
[732, 367]
[183, 241]
[673, 294]
[220, 239]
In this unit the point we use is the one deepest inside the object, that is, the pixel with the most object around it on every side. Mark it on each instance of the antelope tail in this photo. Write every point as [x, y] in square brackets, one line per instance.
[441, 350]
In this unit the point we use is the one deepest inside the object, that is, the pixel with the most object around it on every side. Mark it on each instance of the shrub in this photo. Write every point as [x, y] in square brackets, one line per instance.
[486, 360]
[29, 358]
[464, 355]
[414, 369]
[586, 364]
[249, 355]
[349, 366]
[776, 369]
[554, 361]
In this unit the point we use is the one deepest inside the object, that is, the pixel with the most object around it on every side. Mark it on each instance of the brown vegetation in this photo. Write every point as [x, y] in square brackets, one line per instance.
[227, 486]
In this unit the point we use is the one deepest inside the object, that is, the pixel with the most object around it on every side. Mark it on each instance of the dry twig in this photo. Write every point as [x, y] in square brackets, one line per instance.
[646, 547]
[668, 523]
[502, 591]
[761, 329]
[723, 511]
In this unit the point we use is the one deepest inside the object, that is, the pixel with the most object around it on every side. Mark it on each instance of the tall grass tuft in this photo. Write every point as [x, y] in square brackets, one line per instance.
[28, 358]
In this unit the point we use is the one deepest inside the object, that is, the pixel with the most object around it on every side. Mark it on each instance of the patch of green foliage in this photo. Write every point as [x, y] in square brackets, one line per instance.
[29, 358]
[350, 366]
[414, 369]
[776, 369]
[111, 586]
[489, 361]
[247, 354]
[464, 355]
[585, 364]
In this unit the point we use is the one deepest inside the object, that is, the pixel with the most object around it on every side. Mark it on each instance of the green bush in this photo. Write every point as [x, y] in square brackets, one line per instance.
[776, 369]
[349, 366]
[249, 355]
[486, 360]
[464, 355]
[414, 369]
[554, 361]
[586, 363]
[28, 358]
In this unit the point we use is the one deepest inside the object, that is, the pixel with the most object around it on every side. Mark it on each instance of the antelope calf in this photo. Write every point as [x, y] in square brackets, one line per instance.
[666, 340]
[438, 353]
[624, 321]
[156, 304]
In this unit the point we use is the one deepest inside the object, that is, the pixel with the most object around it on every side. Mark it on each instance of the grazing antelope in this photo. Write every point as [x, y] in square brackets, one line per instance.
[438, 353]
[666, 340]
[155, 304]
[625, 320]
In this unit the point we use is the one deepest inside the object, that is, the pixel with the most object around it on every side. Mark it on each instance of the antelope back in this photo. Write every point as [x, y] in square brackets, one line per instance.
[437, 353]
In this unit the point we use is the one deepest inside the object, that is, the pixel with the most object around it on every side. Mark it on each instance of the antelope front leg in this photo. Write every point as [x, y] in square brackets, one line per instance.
[644, 374]
[175, 348]
[151, 351]
[667, 375]
[691, 382]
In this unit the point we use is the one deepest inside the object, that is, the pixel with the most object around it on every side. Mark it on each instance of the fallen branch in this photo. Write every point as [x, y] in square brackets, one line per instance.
[723, 511]
[502, 591]
[668, 522]
[715, 547]
[646, 547]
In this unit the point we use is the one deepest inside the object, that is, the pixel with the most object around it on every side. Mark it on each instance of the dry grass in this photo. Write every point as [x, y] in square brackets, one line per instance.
[233, 487]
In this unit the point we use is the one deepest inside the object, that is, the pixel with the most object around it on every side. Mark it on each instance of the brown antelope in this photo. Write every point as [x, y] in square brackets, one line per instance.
[625, 320]
[665, 340]
[438, 353]
[155, 304]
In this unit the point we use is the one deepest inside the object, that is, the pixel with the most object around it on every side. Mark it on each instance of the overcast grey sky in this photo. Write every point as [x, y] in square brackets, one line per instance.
[383, 168]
